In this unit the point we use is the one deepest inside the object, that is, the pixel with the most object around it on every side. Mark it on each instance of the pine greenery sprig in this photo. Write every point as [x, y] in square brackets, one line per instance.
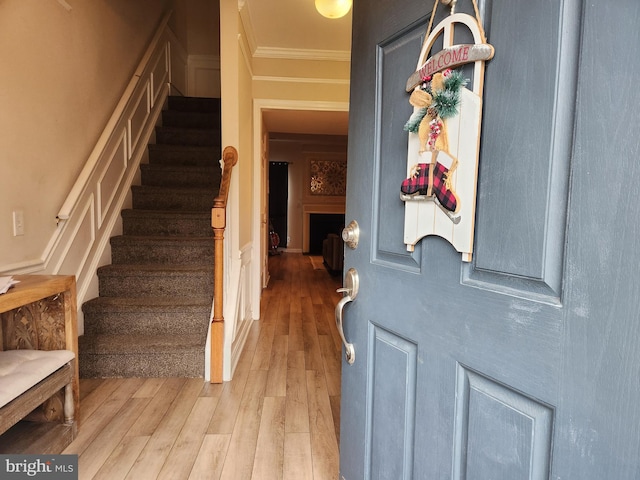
[414, 121]
[446, 103]
[455, 81]
[447, 100]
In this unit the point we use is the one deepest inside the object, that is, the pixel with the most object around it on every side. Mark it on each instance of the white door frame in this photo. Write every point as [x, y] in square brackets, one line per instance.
[259, 172]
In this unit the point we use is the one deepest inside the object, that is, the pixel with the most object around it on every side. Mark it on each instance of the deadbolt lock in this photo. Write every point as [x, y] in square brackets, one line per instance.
[351, 234]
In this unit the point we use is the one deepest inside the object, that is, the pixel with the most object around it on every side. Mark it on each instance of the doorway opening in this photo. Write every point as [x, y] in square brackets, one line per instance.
[278, 200]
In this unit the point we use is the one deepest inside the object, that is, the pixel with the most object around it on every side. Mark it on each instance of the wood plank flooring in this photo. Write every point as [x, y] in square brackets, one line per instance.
[279, 418]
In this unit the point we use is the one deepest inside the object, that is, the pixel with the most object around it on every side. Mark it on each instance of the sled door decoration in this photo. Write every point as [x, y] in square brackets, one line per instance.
[444, 136]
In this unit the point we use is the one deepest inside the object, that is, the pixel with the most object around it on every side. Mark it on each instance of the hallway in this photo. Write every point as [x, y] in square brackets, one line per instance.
[278, 418]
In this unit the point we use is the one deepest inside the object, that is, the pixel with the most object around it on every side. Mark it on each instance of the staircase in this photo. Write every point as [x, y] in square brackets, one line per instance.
[152, 316]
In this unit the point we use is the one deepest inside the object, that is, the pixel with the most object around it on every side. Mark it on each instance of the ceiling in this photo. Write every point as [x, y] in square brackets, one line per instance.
[306, 121]
[295, 26]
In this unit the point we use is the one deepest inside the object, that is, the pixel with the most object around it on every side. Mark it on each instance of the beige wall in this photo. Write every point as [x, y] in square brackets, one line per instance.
[63, 72]
[237, 113]
[204, 20]
[179, 21]
[300, 80]
[245, 163]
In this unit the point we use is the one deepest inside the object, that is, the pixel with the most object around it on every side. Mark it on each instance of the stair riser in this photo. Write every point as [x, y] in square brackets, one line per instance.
[163, 254]
[199, 120]
[173, 136]
[188, 364]
[172, 155]
[179, 178]
[154, 200]
[140, 321]
[156, 285]
[149, 225]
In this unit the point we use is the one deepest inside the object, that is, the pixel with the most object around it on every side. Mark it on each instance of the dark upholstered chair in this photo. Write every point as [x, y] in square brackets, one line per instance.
[333, 252]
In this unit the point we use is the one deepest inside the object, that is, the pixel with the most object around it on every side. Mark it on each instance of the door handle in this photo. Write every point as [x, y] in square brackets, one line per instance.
[350, 289]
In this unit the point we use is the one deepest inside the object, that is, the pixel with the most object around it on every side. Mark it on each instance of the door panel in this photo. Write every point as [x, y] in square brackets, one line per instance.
[392, 108]
[598, 424]
[523, 364]
[499, 432]
[393, 382]
[524, 164]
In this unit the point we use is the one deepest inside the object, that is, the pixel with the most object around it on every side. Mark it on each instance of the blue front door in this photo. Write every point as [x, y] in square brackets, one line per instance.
[525, 362]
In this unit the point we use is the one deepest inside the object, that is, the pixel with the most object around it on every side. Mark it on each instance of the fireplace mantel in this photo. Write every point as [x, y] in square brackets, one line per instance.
[307, 210]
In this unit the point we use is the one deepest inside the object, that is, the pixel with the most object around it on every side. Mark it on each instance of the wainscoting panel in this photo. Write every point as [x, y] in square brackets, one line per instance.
[160, 73]
[111, 177]
[81, 240]
[204, 76]
[237, 325]
[139, 115]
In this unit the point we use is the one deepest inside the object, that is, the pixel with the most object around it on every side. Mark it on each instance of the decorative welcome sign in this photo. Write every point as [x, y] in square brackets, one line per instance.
[444, 136]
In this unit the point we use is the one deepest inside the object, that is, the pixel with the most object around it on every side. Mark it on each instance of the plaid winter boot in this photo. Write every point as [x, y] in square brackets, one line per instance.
[432, 180]
[441, 187]
[417, 185]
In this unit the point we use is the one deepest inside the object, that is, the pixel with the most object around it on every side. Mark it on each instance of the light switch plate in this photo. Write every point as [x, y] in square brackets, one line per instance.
[18, 223]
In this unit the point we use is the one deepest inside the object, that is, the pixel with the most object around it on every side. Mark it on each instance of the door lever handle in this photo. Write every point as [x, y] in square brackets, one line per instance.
[350, 289]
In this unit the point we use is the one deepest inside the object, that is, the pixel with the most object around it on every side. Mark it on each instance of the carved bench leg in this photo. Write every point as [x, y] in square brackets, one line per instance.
[68, 404]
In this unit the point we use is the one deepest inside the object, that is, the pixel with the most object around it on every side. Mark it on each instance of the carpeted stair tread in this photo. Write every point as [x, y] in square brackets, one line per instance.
[194, 104]
[146, 316]
[212, 171]
[188, 136]
[161, 249]
[161, 239]
[176, 190]
[127, 280]
[160, 153]
[154, 269]
[167, 223]
[136, 344]
[128, 355]
[147, 197]
[180, 176]
[190, 119]
[188, 363]
[165, 239]
[197, 214]
[145, 304]
[158, 271]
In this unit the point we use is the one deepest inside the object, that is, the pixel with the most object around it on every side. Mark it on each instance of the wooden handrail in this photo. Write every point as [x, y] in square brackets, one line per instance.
[219, 223]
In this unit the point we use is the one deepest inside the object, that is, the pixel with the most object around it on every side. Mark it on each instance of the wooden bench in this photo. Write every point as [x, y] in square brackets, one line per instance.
[39, 395]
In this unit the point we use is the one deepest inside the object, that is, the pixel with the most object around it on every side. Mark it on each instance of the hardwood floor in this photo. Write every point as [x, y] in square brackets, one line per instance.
[279, 417]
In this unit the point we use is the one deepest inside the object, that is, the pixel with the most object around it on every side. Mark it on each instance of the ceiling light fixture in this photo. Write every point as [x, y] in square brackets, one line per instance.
[333, 8]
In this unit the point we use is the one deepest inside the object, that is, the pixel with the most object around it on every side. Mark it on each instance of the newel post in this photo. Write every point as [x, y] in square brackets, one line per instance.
[219, 223]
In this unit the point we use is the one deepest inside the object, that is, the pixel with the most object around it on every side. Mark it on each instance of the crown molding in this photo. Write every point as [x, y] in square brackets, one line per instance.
[247, 25]
[330, 81]
[285, 104]
[302, 54]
